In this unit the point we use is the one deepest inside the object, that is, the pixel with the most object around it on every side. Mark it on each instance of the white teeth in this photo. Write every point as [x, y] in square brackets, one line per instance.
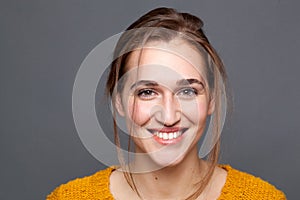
[175, 135]
[165, 136]
[168, 136]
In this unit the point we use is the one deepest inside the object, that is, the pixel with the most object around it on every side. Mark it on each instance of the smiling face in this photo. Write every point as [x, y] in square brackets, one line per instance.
[165, 100]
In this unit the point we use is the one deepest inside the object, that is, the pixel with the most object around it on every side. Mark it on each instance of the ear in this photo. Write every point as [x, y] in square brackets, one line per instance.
[211, 106]
[119, 106]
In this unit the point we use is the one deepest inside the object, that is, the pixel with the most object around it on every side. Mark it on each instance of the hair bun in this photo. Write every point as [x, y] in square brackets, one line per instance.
[192, 21]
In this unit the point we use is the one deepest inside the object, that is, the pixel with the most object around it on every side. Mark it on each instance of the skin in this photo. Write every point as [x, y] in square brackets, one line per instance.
[167, 92]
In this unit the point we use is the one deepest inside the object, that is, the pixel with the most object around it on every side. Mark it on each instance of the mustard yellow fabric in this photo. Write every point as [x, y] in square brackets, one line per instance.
[239, 185]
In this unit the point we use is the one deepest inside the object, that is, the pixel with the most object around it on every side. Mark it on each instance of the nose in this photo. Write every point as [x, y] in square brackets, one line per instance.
[169, 112]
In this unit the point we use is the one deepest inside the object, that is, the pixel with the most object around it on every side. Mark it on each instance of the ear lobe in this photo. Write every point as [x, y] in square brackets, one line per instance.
[211, 106]
[119, 105]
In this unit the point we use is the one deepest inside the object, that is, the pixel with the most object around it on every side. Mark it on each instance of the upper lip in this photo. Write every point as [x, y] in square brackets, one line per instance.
[167, 129]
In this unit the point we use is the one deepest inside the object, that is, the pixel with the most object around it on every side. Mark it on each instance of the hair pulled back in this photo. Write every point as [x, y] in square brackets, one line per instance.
[165, 24]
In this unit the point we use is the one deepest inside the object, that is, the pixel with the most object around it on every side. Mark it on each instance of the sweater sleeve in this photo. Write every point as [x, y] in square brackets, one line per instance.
[54, 195]
[240, 185]
[94, 187]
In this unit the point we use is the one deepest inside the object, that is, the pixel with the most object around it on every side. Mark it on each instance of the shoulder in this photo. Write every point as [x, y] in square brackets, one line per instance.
[241, 185]
[95, 186]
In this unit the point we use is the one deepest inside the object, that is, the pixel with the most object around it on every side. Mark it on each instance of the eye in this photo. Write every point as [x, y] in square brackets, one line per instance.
[187, 92]
[146, 94]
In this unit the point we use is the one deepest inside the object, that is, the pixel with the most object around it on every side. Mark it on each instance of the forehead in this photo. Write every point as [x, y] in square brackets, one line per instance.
[177, 56]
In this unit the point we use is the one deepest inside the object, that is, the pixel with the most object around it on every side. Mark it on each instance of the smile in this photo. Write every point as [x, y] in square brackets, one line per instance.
[167, 135]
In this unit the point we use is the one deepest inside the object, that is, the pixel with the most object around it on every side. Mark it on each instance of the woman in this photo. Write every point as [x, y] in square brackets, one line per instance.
[167, 83]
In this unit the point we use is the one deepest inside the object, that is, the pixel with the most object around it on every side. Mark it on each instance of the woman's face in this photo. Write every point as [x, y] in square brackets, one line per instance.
[165, 100]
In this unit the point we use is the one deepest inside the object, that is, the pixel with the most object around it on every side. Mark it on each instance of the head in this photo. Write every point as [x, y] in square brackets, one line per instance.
[165, 81]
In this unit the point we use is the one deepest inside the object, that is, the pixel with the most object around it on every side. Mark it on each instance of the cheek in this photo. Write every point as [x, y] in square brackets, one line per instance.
[139, 112]
[196, 111]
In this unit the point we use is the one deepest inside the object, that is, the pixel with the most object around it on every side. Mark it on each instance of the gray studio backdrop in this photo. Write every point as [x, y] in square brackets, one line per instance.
[42, 44]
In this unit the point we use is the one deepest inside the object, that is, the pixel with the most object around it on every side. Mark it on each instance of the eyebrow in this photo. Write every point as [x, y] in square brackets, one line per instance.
[144, 82]
[189, 81]
[182, 82]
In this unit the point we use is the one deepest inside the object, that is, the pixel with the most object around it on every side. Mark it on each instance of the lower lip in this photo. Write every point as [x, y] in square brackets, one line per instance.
[166, 142]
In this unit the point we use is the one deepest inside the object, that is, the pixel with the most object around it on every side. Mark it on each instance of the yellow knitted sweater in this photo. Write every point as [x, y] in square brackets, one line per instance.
[239, 185]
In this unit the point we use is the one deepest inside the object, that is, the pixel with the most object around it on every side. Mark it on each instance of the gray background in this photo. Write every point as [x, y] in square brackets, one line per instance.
[42, 44]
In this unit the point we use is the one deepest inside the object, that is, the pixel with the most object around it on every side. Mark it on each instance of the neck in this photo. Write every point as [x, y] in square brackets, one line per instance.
[174, 181]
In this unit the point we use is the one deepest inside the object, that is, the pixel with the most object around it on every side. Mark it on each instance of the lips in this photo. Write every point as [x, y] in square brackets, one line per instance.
[167, 135]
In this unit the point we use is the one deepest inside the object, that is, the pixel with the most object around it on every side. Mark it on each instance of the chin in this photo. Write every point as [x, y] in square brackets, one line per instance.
[167, 159]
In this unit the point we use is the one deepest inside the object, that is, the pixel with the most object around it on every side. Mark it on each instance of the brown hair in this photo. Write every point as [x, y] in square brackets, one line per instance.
[172, 24]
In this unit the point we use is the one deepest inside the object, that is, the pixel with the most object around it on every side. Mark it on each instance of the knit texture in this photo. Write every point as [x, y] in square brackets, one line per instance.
[239, 185]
